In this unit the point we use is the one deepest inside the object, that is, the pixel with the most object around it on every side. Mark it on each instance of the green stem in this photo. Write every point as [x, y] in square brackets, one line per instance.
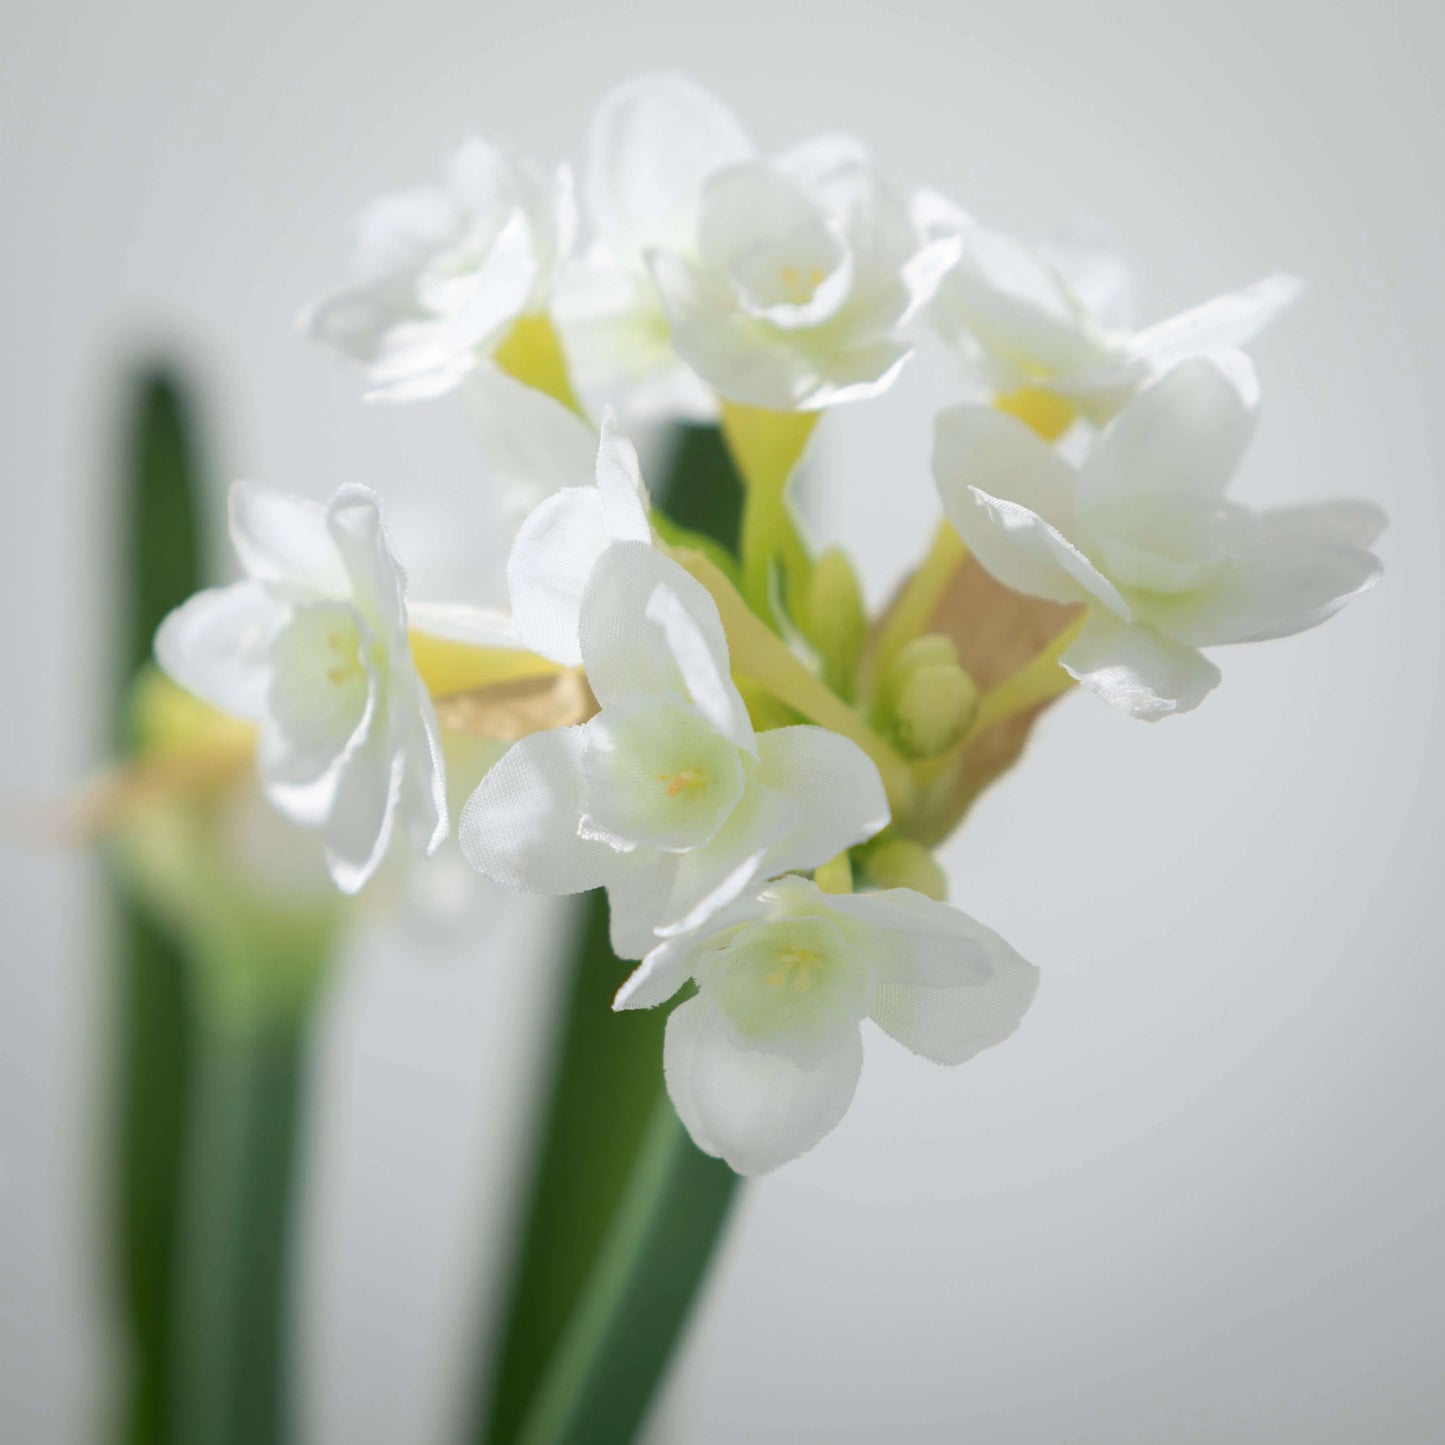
[766, 447]
[232, 1338]
[628, 1322]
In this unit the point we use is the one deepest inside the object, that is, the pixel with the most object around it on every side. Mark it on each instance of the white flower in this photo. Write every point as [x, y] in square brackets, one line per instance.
[652, 143]
[667, 797]
[763, 1062]
[313, 647]
[1059, 316]
[444, 271]
[800, 279]
[1145, 538]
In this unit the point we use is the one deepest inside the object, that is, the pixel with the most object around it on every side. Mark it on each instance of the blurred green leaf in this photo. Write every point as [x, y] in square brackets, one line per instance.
[158, 483]
[605, 1094]
[629, 1318]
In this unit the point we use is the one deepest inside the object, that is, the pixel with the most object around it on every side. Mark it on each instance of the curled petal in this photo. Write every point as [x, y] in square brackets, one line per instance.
[648, 626]
[283, 538]
[215, 645]
[556, 548]
[620, 485]
[363, 809]
[1133, 667]
[353, 518]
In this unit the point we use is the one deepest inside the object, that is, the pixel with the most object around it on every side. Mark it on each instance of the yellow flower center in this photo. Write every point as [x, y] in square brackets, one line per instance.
[798, 967]
[680, 782]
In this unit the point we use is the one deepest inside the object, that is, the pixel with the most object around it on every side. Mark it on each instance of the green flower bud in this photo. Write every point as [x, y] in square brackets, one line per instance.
[927, 701]
[894, 862]
[836, 620]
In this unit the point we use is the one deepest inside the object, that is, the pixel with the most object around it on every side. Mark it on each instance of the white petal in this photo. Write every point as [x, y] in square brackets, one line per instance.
[1271, 591]
[620, 485]
[283, 538]
[1184, 433]
[215, 645]
[979, 446]
[1092, 262]
[556, 549]
[1228, 321]
[652, 143]
[532, 445]
[1008, 495]
[1136, 669]
[363, 809]
[699, 648]
[664, 895]
[948, 987]
[1343, 522]
[1010, 300]
[658, 774]
[670, 964]
[461, 622]
[378, 585]
[396, 233]
[648, 626]
[615, 332]
[322, 699]
[836, 786]
[423, 804]
[520, 826]
[924, 270]
[714, 876]
[658, 976]
[751, 212]
[498, 292]
[754, 1109]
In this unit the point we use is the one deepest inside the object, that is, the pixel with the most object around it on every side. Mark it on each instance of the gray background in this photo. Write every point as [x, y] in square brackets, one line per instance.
[1198, 1197]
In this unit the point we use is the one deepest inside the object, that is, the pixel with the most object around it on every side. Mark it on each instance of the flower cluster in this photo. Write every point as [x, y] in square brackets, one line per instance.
[756, 772]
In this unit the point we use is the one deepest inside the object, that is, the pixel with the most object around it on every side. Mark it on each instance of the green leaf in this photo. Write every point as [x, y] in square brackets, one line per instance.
[608, 1081]
[630, 1317]
[158, 482]
[597, 1143]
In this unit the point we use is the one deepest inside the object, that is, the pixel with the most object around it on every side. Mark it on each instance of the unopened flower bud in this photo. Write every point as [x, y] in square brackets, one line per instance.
[894, 862]
[929, 701]
[836, 622]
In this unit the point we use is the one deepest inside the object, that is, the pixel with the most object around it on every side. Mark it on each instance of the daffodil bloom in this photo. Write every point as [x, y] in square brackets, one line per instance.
[313, 647]
[764, 1060]
[651, 145]
[800, 279]
[1050, 328]
[1144, 537]
[667, 797]
[445, 270]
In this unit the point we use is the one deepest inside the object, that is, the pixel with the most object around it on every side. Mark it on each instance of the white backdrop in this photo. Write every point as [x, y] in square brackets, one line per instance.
[1197, 1198]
